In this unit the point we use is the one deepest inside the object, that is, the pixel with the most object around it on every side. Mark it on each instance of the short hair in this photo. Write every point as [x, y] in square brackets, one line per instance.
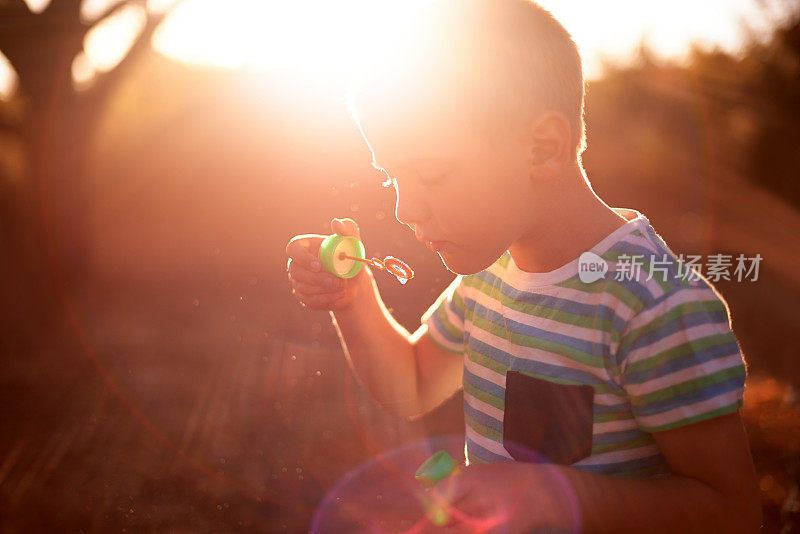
[498, 61]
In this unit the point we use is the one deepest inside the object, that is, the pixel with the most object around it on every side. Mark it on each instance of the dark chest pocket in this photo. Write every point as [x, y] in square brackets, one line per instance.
[545, 421]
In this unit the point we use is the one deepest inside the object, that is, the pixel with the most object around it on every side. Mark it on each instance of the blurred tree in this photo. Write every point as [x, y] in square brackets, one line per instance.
[51, 120]
[758, 96]
[774, 69]
[735, 114]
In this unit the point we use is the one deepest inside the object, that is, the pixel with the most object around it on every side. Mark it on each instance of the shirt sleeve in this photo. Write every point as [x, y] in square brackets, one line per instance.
[680, 361]
[445, 318]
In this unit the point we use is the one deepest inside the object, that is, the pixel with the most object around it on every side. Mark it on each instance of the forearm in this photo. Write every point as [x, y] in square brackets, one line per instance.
[608, 504]
[379, 350]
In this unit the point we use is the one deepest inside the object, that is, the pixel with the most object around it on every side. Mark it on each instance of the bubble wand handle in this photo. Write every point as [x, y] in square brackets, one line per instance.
[433, 470]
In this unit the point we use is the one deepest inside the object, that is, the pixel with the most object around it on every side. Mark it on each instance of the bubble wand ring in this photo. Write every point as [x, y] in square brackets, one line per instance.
[390, 264]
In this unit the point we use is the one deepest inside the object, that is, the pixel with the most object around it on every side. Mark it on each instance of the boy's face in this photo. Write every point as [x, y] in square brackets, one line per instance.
[473, 198]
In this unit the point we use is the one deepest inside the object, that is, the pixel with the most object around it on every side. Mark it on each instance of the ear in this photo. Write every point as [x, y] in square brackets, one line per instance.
[548, 140]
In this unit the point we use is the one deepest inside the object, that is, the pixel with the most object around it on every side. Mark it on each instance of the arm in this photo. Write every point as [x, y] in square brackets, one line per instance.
[712, 488]
[407, 374]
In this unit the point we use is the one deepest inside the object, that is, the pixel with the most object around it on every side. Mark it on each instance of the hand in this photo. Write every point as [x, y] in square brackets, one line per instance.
[313, 287]
[497, 497]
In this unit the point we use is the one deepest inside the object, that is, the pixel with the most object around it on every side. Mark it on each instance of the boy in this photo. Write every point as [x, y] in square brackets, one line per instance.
[593, 401]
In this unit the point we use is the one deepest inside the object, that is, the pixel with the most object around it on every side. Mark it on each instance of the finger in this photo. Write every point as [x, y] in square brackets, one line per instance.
[305, 249]
[450, 492]
[346, 227]
[319, 279]
[309, 289]
[318, 302]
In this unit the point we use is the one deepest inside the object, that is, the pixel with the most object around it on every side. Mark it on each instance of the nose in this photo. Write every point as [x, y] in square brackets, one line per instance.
[411, 208]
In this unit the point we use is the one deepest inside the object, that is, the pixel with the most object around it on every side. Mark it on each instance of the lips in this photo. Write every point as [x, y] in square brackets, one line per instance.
[437, 246]
[422, 238]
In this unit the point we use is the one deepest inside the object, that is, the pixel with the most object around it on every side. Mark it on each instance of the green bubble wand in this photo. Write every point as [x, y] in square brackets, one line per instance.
[344, 256]
[436, 468]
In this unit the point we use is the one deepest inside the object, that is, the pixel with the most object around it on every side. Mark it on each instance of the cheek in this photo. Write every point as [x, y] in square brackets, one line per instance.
[487, 206]
[515, 202]
[498, 209]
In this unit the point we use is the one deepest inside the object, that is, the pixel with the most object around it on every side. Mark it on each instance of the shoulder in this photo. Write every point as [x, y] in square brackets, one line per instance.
[678, 357]
[658, 300]
[652, 277]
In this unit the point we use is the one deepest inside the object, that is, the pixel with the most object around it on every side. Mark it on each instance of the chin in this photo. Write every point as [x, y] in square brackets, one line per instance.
[464, 266]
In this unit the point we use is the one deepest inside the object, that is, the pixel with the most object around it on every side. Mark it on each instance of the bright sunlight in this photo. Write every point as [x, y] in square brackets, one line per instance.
[322, 36]
[318, 37]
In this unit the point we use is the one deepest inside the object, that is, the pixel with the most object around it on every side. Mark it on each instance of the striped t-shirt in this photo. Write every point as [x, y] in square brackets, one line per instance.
[657, 350]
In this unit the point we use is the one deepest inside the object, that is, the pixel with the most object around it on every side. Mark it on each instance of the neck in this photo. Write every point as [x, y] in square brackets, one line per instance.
[574, 220]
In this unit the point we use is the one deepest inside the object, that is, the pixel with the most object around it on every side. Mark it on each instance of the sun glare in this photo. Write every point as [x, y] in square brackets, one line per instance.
[322, 37]
[107, 42]
[37, 6]
[313, 37]
[8, 78]
[613, 29]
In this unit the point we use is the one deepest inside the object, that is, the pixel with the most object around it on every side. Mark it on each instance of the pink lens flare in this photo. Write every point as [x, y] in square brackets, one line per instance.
[381, 495]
